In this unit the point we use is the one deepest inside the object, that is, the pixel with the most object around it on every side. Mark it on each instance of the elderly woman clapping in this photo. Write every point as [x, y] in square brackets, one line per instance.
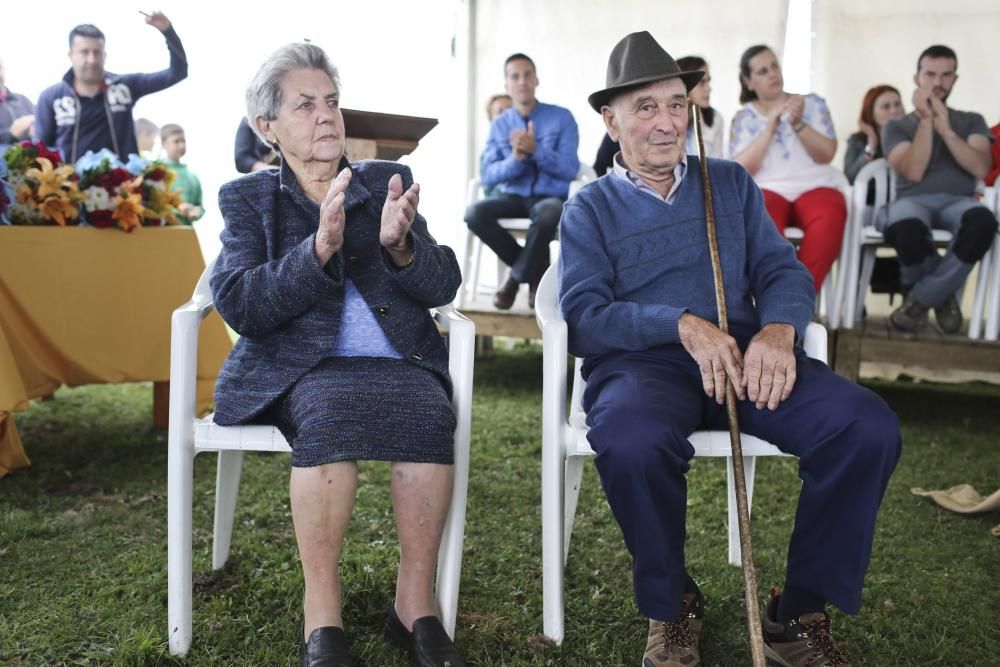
[327, 271]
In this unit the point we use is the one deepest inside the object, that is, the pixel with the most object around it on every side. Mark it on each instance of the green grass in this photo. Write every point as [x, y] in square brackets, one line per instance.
[83, 544]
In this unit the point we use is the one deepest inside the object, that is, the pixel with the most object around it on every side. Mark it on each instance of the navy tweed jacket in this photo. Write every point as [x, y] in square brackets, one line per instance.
[269, 286]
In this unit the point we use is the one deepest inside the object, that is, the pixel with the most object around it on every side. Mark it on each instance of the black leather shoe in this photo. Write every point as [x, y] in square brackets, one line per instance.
[428, 645]
[504, 297]
[327, 647]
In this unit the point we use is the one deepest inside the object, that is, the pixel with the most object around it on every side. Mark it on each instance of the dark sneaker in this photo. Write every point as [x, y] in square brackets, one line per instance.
[504, 297]
[676, 644]
[910, 316]
[803, 642]
[949, 315]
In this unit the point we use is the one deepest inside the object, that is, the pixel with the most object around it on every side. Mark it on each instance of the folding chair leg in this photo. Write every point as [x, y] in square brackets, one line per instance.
[574, 476]
[227, 487]
[749, 467]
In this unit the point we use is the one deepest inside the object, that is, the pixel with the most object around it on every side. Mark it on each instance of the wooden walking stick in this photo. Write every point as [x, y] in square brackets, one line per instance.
[742, 506]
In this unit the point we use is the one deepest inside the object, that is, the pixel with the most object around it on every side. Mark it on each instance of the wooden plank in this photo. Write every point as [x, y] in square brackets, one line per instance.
[847, 359]
[497, 323]
[951, 354]
[161, 404]
[878, 342]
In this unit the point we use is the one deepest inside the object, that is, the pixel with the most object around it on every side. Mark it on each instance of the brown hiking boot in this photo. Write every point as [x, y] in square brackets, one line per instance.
[803, 642]
[911, 316]
[504, 297]
[676, 644]
[949, 315]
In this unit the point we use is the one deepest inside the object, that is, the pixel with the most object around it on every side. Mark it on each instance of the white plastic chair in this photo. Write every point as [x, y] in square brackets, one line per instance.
[564, 447]
[987, 298]
[867, 240]
[827, 299]
[518, 227]
[189, 436]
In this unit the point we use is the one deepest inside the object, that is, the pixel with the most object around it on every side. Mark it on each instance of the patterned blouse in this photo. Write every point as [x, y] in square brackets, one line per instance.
[787, 169]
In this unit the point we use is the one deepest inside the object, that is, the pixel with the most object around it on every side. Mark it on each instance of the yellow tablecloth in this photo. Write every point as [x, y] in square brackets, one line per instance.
[83, 306]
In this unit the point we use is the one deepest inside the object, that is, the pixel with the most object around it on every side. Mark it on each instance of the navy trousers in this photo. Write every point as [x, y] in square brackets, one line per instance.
[641, 408]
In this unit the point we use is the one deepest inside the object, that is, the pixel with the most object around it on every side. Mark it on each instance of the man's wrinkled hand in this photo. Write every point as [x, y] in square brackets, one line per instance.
[717, 355]
[769, 366]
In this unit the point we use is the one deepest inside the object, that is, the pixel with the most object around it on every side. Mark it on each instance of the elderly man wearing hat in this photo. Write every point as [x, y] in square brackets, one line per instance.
[636, 292]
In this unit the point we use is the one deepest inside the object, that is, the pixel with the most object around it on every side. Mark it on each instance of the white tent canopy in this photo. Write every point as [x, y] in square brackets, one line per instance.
[856, 44]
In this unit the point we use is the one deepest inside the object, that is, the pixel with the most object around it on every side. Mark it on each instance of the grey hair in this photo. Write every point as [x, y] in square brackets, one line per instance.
[264, 91]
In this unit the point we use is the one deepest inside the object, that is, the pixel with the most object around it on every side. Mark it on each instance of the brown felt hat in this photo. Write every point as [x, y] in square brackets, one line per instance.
[636, 60]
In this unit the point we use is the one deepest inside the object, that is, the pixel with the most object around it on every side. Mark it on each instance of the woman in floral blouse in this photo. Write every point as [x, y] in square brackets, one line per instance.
[787, 142]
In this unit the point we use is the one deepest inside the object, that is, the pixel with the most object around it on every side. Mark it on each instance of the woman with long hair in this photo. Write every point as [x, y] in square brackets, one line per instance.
[787, 142]
[880, 105]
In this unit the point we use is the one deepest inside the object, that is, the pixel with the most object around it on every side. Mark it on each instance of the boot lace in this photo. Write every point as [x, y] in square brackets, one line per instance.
[678, 633]
[819, 633]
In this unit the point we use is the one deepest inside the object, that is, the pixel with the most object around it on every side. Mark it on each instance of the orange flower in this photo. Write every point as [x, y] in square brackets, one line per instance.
[56, 195]
[59, 210]
[26, 196]
[129, 211]
[52, 182]
[161, 205]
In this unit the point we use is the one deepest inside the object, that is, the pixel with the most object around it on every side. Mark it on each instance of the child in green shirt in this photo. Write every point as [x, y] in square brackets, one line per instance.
[175, 146]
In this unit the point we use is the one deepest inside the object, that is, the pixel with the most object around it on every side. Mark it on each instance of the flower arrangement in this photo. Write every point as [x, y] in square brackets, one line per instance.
[159, 200]
[37, 188]
[126, 196]
[111, 194]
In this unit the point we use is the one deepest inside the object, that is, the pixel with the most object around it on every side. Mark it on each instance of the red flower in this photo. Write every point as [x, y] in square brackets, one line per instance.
[112, 179]
[39, 149]
[100, 219]
[157, 174]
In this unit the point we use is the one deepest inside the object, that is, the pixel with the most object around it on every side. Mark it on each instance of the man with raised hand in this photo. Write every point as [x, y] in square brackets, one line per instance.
[91, 108]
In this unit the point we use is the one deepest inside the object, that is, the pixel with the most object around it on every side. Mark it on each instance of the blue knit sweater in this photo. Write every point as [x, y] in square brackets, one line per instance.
[631, 265]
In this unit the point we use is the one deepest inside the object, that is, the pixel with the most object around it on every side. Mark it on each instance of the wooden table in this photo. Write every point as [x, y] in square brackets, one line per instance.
[85, 306]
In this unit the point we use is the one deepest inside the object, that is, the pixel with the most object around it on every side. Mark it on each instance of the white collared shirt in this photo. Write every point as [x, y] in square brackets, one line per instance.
[629, 176]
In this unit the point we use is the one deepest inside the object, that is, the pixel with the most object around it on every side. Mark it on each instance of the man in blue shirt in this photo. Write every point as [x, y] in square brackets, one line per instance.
[530, 159]
[91, 108]
[636, 289]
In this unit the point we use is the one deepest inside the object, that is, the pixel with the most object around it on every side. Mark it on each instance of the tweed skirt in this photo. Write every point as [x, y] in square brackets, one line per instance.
[366, 408]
